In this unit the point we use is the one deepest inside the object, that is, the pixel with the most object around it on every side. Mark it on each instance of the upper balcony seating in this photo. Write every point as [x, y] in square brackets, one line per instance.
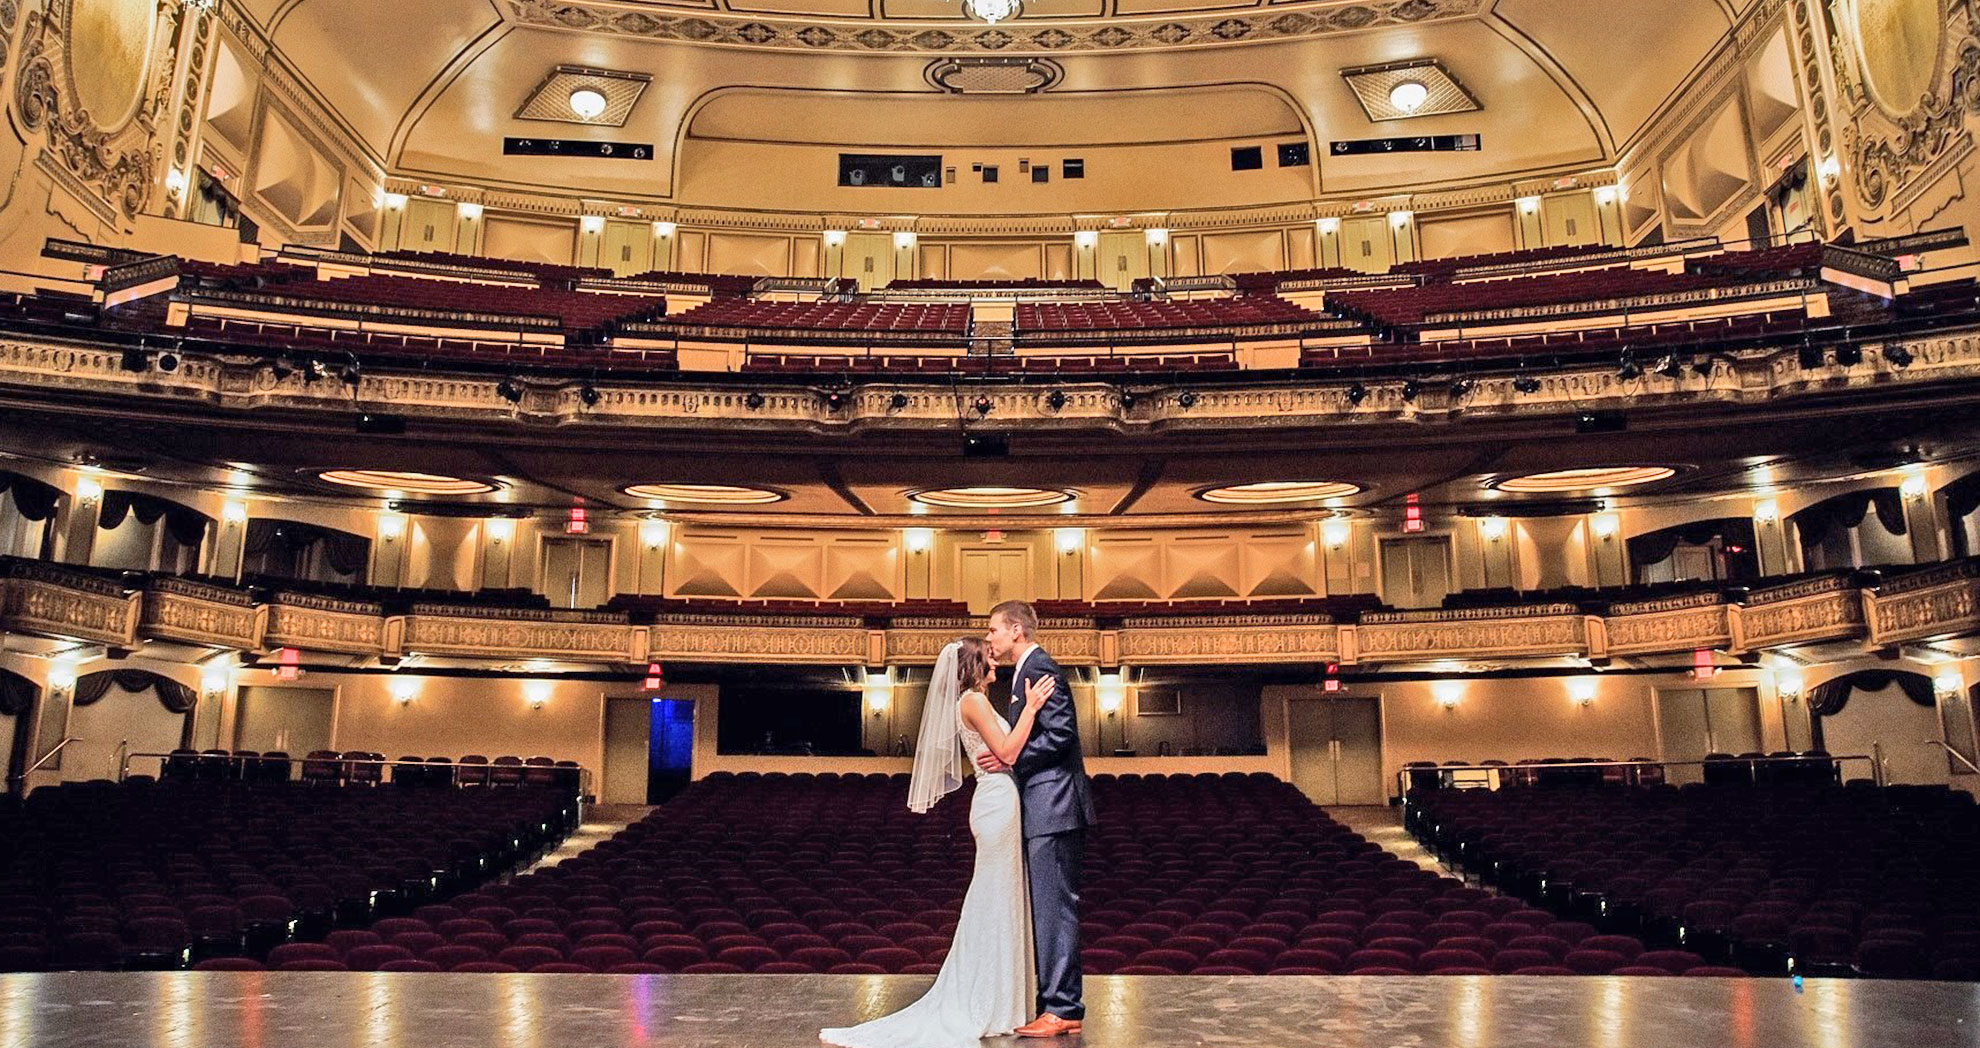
[549, 274]
[1058, 318]
[721, 285]
[1018, 284]
[150, 875]
[941, 321]
[1818, 879]
[903, 363]
[451, 302]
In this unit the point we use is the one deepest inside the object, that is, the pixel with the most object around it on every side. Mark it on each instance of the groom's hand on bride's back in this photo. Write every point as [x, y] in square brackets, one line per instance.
[988, 762]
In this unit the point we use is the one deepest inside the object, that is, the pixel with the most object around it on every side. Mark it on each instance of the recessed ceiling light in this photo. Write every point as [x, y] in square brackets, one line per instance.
[588, 103]
[991, 498]
[406, 483]
[1409, 95]
[706, 494]
[1587, 479]
[1276, 492]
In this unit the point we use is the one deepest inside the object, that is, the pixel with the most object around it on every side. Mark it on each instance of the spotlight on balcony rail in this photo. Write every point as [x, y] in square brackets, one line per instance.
[281, 368]
[588, 395]
[1809, 356]
[168, 361]
[312, 369]
[753, 401]
[353, 371]
[1459, 388]
[1056, 400]
[1410, 389]
[1357, 393]
[509, 389]
[1849, 354]
[1670, 366]
[136, 360]
[1186, 399]
[1524, 383]
[1899, 356]
[1628, 369]
[898, 402]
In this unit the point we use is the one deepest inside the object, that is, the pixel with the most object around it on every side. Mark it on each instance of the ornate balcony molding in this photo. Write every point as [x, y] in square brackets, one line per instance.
[1948, 608]
[433, 634]
[174, 610]
[1470, 635]
[320, 624]
[48, 601]
[1252, 643]
[1834, 615]
[829, 645]
[1686, 629]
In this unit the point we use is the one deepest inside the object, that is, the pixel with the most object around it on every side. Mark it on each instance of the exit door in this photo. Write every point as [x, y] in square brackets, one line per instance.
[577, 573]
[1337, 750]
[993, 575]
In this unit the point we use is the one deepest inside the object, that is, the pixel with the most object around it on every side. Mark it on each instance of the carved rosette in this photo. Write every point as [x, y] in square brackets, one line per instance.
[322, 629]
[495, 638]
[1951, 607]
[1143, 645]
[1822, 617]
[1689, 629]
[50, 608]
[116, 168]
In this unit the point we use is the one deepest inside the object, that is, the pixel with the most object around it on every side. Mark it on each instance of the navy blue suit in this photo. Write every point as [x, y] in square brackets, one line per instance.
[1057, 808]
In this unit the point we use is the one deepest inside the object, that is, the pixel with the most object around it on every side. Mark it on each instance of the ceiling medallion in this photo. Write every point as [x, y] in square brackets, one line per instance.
[1589, 479]
[1277, 492]
[991, 498]
[406, 483]
[705, 494]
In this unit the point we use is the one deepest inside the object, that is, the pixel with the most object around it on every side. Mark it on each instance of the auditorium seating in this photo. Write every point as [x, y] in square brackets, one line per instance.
[447, 301]
[1021, 284]
[1770, 877]
[937, 321]
[1057, 319]
[149, 874]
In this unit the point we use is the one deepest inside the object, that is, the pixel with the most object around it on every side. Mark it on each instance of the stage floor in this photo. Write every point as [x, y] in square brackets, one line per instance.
[359, 1010]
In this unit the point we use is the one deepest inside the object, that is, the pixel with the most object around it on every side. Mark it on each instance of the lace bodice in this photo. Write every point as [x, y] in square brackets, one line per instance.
[973, 743]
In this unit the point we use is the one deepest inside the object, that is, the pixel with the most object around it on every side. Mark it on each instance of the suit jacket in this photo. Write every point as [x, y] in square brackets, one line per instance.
[1050, 772]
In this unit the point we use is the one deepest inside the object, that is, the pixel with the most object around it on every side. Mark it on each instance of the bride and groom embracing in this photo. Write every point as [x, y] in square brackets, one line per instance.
[1028, 817]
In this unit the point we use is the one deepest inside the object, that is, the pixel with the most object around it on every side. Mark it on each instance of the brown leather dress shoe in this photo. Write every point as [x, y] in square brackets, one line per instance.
[1048, 1025]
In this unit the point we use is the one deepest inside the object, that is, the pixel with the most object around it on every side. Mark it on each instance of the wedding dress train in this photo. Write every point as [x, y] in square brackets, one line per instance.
[987, 985]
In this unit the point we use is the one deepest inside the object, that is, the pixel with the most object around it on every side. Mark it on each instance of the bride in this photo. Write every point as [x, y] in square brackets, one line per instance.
[987, 984]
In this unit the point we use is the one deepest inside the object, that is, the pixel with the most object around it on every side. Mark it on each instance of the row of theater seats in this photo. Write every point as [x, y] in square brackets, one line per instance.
[274, 288]
[788, 874]
[1134, 315]
[1780, 768]
[1818, 880]
[156, 875]
[367, 768]
[1028, 363]
[940, 318]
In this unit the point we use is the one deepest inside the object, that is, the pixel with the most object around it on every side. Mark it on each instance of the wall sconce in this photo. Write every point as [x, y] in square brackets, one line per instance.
[395, 201]
[1787, 685]
[62, 675]
[1492, 528]
[1156, 236]
[536, 693]
[1069, 540]
[1582, 691]
[1605, 525]
[88, 490]
[918, 540]
[665, 229]
[903, 240]
[1448, 693]
[1605, 195]
[1528, 205]
[404, 688]
[591, 224]
[215, 677]
[1086, 238]
[1767, 511]
[1399, 219]
[175, 183]
[1829, 169]
[1335, 533]
[1110, 692]
[501, 529]
[1913, 487]
[391, 525]
[467, 210]
[835, 238]
[234, 512]
[1329, 226]
[652, 533]
[879, 690]
[1947, 683]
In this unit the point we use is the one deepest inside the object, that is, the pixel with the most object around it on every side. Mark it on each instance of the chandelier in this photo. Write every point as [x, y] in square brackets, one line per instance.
[992, 11]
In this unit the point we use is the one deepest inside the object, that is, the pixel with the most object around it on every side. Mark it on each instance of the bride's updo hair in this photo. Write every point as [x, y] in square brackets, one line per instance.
[972, 665]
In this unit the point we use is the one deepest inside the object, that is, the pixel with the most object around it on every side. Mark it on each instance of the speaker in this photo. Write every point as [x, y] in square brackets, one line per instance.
[986, 445]
[1600, 422]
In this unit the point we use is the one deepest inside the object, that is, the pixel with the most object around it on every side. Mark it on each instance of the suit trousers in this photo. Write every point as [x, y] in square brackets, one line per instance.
[1052, 863]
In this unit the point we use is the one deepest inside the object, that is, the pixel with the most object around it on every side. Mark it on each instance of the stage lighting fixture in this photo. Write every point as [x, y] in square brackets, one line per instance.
[1357, 393]
[1899, 356]
[1460, 387]
[588, 395]
[1670, 366]
[1525, 384]
[898, 401]
[1628, 369]
[1849, 354]
[982, 405]
[1055, 399]
[168, 361]
[281, 368]
[136, 360]
[1127, 399]
[1410, 389]
[1702, 367]
[509, 389]
[1186, 399]
[835, 399]
[353, 371]
[753, 401]
[1810, 357]
[312, 370]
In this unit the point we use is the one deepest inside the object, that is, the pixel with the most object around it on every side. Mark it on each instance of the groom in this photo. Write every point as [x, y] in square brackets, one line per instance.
[1057, 807]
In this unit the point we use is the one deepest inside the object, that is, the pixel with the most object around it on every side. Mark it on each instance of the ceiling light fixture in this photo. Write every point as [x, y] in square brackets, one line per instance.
[990, 497]
[1586, 479]
[409, 483]
[1409, 95]
[587, 104]
[710, 494]
[1276, 492]
[992, 11]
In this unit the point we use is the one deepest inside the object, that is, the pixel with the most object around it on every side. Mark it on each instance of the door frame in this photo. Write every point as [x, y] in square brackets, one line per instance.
[543, 541]
[1382, 560]
[1030, 564]
[1380, 698]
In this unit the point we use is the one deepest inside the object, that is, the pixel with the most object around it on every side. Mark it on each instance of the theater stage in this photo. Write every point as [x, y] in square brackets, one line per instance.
[349, 1010]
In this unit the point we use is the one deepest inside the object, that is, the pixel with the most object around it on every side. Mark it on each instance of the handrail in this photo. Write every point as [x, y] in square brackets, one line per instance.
[1956, 755]
[1403, 774]
[45, 758]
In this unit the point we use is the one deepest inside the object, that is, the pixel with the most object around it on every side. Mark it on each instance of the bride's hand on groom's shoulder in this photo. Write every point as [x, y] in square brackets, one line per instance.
[1038, 691]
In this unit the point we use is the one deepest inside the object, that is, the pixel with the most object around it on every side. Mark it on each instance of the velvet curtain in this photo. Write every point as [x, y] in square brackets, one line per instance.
[32, 499]
[187, 526]
[1847, 511]
[1829, 698]
[1657, 546]
[16, 694]
[290, 540]
[176, 697]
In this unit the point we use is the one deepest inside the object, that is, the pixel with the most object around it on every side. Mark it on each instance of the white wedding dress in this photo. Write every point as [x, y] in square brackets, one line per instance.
[988, 983]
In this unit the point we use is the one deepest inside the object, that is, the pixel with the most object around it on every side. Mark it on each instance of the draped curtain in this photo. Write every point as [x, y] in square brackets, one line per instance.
[176, 697]
[1657, 546]
[186, 526]
[1829, 698]
[16, 694]
[290, 541]
[1847, 511]
[34, 500]
[1962, 498]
